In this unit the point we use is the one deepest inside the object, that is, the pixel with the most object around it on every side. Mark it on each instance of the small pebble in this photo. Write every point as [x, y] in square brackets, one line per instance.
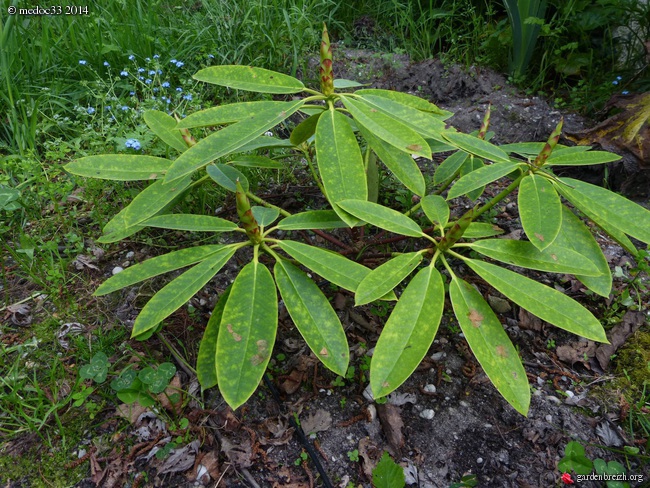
[569, 394]
[463, 403]
[117, 269]
[202, 302]
[126, 264]
[540, 381]
[427, 414]
[479, 461]
[549, 418]
[130, 254]
[553, 399]
[437, 356]
[430, 388]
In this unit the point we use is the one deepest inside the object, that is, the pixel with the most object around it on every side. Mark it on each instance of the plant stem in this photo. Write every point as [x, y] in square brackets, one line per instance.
[261, 201]
[500, 196]
[181, 360]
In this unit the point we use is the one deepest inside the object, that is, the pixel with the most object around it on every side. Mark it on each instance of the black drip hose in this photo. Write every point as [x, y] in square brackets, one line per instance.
[301, 435]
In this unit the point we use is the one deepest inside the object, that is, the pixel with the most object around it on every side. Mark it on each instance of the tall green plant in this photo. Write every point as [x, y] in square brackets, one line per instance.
[392, 127]
[526, 18]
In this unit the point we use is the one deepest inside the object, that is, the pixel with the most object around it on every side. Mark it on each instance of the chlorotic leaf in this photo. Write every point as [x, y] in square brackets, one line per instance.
[449, 167]
[476, 146]
[226, 114]
[481, 177]
[540, 210]
[120, 167]
[305, 129]
[477, 230]
[436, 209]
[384, 278]
[191, 222]
[408, 333]
[314, 317]
[340, 162]
[264, 215]
[246, 333]
[164, 126]
[490, 344]
[227, 176]
[580, 158]
[157, 266]
[206, 366]
[176, 293]
[554, 259]
[312, 219]
[152, 200]
[256, 162]
[251, 79]
[545, 302]
[382, 217]
[405, 99]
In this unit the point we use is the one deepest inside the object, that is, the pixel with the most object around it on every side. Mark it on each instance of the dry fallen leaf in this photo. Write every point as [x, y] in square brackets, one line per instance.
[319, 421]
[392, 424]
[618, 335]
[180, 460]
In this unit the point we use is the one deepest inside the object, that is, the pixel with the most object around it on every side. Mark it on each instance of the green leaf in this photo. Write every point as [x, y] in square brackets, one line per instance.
[343, 83]
[481, 229]
[386, 127]
[305, 129]
[613, 210]
[436, 209]
[404, 98]
[421, 122]
[206, 366]
[8, 197]
[176, 293]
[526, 149]
[540, 210]
[264, 215]
[314, 317]
[251, 79]
[554, 259]
[449, 167]
[229, 139]
[408, 333]
[164, 126]
[388, 474]
[227, 176]
[330, 265]
[227, 114]
[561, 150]
[575, 235]
[490, 344]
[470, 165]
[191, 222]
[340, 162]
[545, 302]
[372, 176]
[264, 142]
[402, 165]
[157, 266]
[312, 219]
[481, 177]
[575, 460]
[384, 278]
[476, 146]
[382, 217]
[153, 199]
[246, 333]
[256, 162]
[119, 167]
[581, 158]
[125, 380]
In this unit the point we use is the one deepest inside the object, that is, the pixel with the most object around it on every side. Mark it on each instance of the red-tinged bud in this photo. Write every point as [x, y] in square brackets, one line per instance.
[326, 73]
[245, 213]
[456, 231]
[187, 137]
[486, 123]
[546, 151]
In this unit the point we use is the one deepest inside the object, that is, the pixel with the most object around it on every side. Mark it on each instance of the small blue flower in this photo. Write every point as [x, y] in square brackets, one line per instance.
[141, 78]
[90, 110]
[124, 73]
[180, 64]
[159, 72]
[108, 107]
[148, 60]
[619, 78]
[156, 56]
[131, 57]
[168, 100]
[179, 89]
[615, 82]
[152, 72]
[156, 90]
[165, 84]
[188, 96]
[173, 61]
[125, 108]
[132, 94]
[83, 61]
[147, 81]
[153, 98]
[106, 63]
[625, 92]
[211, 56]
[140, 70]
[133, 143]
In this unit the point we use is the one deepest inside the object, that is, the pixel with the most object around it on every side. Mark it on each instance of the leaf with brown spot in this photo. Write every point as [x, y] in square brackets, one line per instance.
[475, 318]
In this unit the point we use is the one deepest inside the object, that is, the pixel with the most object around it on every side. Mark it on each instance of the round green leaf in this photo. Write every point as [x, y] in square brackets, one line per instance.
[436, 209]
[227, 176]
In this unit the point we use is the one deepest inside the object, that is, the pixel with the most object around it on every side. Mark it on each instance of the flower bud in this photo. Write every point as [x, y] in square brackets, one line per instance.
[326, 73]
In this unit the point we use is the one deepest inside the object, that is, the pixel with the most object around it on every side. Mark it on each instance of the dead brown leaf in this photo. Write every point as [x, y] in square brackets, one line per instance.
[130, 412]
[529, 321]
[172, 398]
[180, 460]
[319, 421]
[370, 453]
[392, 424]
[239, 454]
[580, 351]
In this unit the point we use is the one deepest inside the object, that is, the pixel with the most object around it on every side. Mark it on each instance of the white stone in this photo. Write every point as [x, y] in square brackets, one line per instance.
[479, 461]
[430, 388]
[130, 254]
[427, 414]
[117, 269]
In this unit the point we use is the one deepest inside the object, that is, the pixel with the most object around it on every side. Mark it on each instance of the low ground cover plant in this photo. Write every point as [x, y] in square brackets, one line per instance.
[343, 136]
